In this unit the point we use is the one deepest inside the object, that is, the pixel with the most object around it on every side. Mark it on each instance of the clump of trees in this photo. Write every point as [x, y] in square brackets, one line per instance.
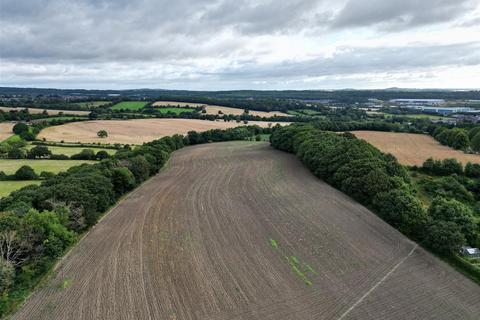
[382, 184]
[102, 134]
[459, 138]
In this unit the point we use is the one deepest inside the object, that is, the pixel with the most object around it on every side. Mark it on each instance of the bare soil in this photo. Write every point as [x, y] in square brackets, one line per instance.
[413, 149]
[134, 131]
[239, 230]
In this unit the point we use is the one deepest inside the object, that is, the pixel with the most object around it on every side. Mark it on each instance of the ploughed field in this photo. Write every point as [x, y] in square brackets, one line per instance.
[413, 149]
[239, 230]
[135, 131]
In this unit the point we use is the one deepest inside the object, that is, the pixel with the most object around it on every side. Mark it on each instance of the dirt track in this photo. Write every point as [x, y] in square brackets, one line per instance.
[208, 239]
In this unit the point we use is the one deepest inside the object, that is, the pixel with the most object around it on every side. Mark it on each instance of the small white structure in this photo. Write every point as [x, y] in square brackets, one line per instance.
[470, 252]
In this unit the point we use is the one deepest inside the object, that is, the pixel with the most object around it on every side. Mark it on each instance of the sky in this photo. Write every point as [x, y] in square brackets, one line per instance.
[240, 44]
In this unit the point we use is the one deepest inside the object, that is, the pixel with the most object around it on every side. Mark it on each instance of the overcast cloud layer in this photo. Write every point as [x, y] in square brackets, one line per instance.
[240, 44]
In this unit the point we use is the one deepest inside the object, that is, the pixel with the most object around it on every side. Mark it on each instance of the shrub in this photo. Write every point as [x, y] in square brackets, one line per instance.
[102, 154]
[85, 154]
[16, 153]
[25, 173]
[444, 237]
[20, 128]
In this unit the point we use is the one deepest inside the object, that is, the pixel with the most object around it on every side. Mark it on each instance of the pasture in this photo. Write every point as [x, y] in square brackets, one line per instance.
[71, 150]
[239, 230]
[413, 149]
[174, 110]
[55, 166]
[7, 187]
[89, 104]
[130, 105]
[135, 131]
[50, 112]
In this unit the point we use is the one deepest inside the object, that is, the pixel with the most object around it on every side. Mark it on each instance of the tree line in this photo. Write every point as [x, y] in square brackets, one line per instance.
[379, 182]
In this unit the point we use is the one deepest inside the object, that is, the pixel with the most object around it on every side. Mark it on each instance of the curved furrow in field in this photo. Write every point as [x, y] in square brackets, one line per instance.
[239, 230]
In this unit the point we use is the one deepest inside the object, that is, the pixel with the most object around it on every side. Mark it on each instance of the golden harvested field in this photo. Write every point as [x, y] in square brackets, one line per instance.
[413, 149]
[135, 131]
[51, 112]
[5, 130]
[238, 230]
[213, 109]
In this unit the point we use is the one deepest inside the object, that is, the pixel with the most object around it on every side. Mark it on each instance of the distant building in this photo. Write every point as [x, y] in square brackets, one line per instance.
[442, 110]
[470, 252]
[430, 102]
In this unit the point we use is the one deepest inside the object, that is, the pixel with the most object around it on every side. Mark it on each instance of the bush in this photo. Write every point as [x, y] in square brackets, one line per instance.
[7, 272]
[19, 128]
[102, 154]
[444, 237]
[472, 170]
[25, 173]
[59, 157]
[85, 154]
[16, 153]
[39, 152]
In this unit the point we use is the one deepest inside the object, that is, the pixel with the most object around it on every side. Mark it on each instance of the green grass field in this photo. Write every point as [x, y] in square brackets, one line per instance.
[89, 104]
[14, 138]
[130, 105]
[6, 187]
[54, 166]
[69, 151]
[304, 112]
[174, 110]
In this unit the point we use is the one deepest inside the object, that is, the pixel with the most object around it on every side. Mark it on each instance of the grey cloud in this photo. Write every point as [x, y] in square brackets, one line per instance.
[149, 40]
[363, 60]
[400, 14]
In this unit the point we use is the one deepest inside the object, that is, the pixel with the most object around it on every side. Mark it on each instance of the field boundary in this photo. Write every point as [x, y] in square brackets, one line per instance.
[378, 283]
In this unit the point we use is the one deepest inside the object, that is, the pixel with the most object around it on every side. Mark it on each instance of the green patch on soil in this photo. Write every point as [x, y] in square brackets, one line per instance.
[301, 269]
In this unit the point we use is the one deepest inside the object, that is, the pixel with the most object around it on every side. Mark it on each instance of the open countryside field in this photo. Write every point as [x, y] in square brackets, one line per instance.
[239, 230]
[51, 112]
[70, 151]
[5, 130]
[10, 166]
[7, 187]
[213, 109]
[413, 149]
[89, 104]
[135, 131]
[130, 105]
[175, 110]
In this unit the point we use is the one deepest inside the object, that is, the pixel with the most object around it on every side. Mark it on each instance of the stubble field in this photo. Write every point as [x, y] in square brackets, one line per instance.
[239, 230]
[134, 131]
[5, 130]
[214, 109]
[413, 149]
[51, 112]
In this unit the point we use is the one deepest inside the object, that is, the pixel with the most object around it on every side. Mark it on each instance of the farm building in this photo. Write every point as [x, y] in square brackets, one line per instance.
[470, 252]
